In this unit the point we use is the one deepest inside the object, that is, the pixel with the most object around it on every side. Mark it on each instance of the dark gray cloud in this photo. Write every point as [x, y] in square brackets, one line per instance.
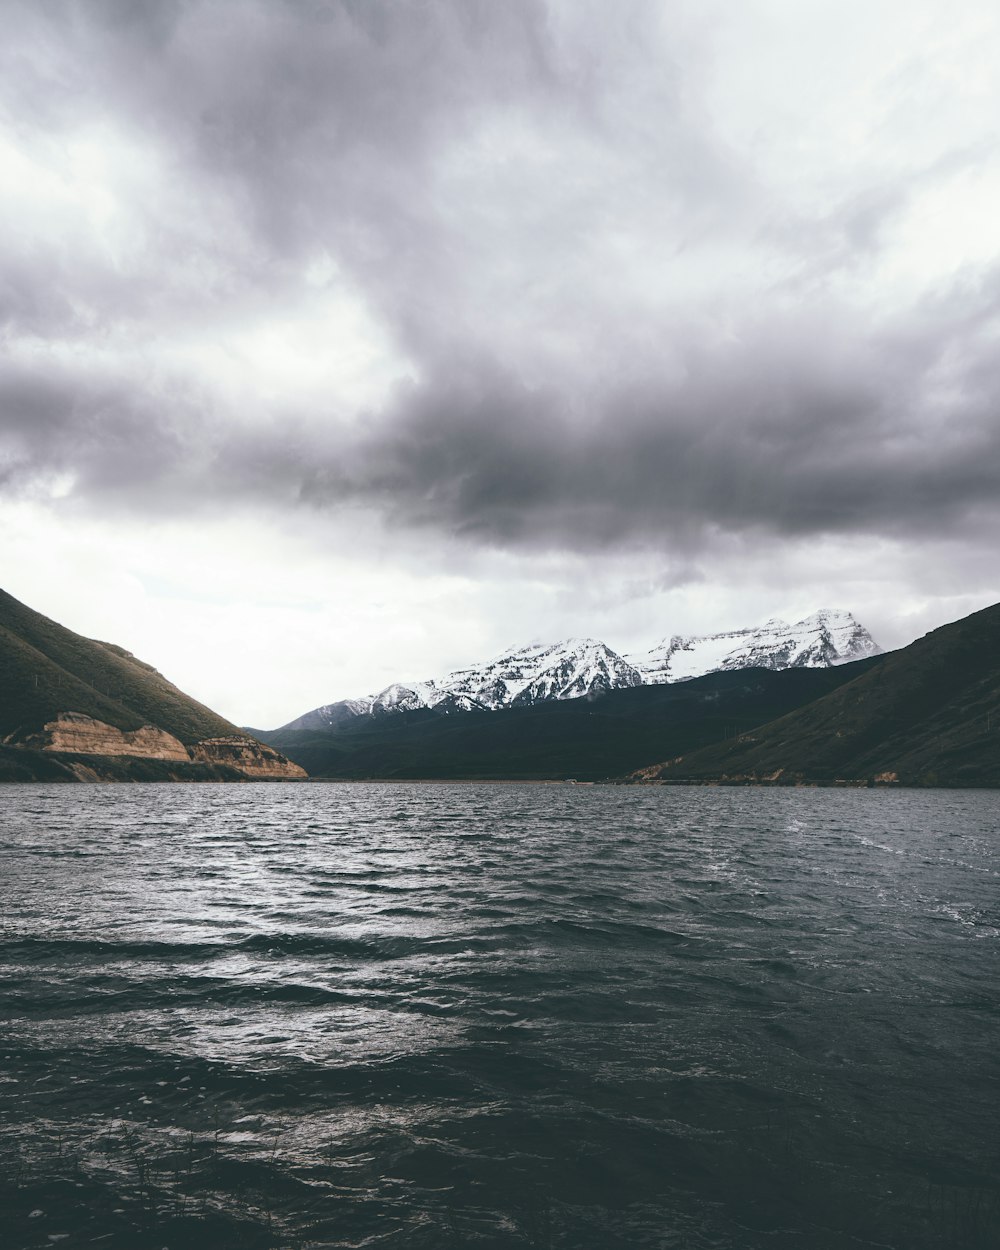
[609, 329]
[777, 432]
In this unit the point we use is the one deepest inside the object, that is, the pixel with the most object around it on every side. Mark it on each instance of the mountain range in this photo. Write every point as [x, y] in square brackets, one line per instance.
[585, 667]
[583, 739]
[925, 715]
[783, 705]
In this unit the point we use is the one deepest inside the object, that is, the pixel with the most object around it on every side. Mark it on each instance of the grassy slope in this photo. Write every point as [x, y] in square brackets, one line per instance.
[577, 738]
[929, 713]
[46, 668]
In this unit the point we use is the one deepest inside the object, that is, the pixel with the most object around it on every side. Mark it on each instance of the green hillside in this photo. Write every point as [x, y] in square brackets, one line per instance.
[928, 714]
[46, 669]
[580, 738]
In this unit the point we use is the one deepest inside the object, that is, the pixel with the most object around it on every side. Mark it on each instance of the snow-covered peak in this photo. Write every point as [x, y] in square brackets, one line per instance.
[827, 637]
[539, 672]
[401, 698]
[583, 667]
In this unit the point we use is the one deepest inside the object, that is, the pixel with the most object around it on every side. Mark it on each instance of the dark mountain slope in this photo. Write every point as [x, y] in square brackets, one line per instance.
[46, 669]
[585, 739]
[928, 714]
[75, 709]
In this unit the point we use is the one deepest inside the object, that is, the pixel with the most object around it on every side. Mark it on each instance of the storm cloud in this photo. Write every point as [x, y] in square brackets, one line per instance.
[533, 276]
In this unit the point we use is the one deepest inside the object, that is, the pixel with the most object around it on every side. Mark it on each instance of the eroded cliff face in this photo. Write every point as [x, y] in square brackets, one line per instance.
[251, 757]
[76, 734]
[73, 733]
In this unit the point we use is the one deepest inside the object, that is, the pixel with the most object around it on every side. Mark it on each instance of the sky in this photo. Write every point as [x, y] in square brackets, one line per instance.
[352, 341]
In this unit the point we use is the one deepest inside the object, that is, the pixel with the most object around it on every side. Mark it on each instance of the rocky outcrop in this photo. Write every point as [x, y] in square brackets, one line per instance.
[76, 734]
[72, 734]
[252, 758]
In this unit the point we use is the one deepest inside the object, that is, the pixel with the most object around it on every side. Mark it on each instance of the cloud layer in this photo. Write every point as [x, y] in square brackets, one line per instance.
[543, 277]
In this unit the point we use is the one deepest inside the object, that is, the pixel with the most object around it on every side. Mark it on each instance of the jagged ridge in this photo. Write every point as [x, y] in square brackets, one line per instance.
[586, 667]
[537, 673]
[828, 637]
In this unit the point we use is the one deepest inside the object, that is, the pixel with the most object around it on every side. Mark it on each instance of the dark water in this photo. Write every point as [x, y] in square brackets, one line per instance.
[499, 1016]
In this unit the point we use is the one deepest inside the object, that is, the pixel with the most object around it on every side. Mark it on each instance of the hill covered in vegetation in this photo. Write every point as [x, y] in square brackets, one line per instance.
[72, 708]
[928, 714]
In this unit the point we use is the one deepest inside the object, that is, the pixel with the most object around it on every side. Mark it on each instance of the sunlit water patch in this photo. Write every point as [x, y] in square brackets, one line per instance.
[499, 1016]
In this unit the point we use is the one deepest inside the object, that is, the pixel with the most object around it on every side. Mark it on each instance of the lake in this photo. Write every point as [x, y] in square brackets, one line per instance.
[499, 1016]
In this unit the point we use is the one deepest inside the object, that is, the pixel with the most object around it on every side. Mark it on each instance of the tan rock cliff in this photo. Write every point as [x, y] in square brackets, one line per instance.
[73, 733]
[82, 735]
[248, 755]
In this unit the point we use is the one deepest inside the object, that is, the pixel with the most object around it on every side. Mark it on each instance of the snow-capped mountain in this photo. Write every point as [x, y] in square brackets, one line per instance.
[537, 673]
[819, 641]
[582, 667]
[533, 674]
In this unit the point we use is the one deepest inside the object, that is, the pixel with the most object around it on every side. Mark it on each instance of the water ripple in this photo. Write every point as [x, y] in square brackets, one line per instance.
[498, 1016]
